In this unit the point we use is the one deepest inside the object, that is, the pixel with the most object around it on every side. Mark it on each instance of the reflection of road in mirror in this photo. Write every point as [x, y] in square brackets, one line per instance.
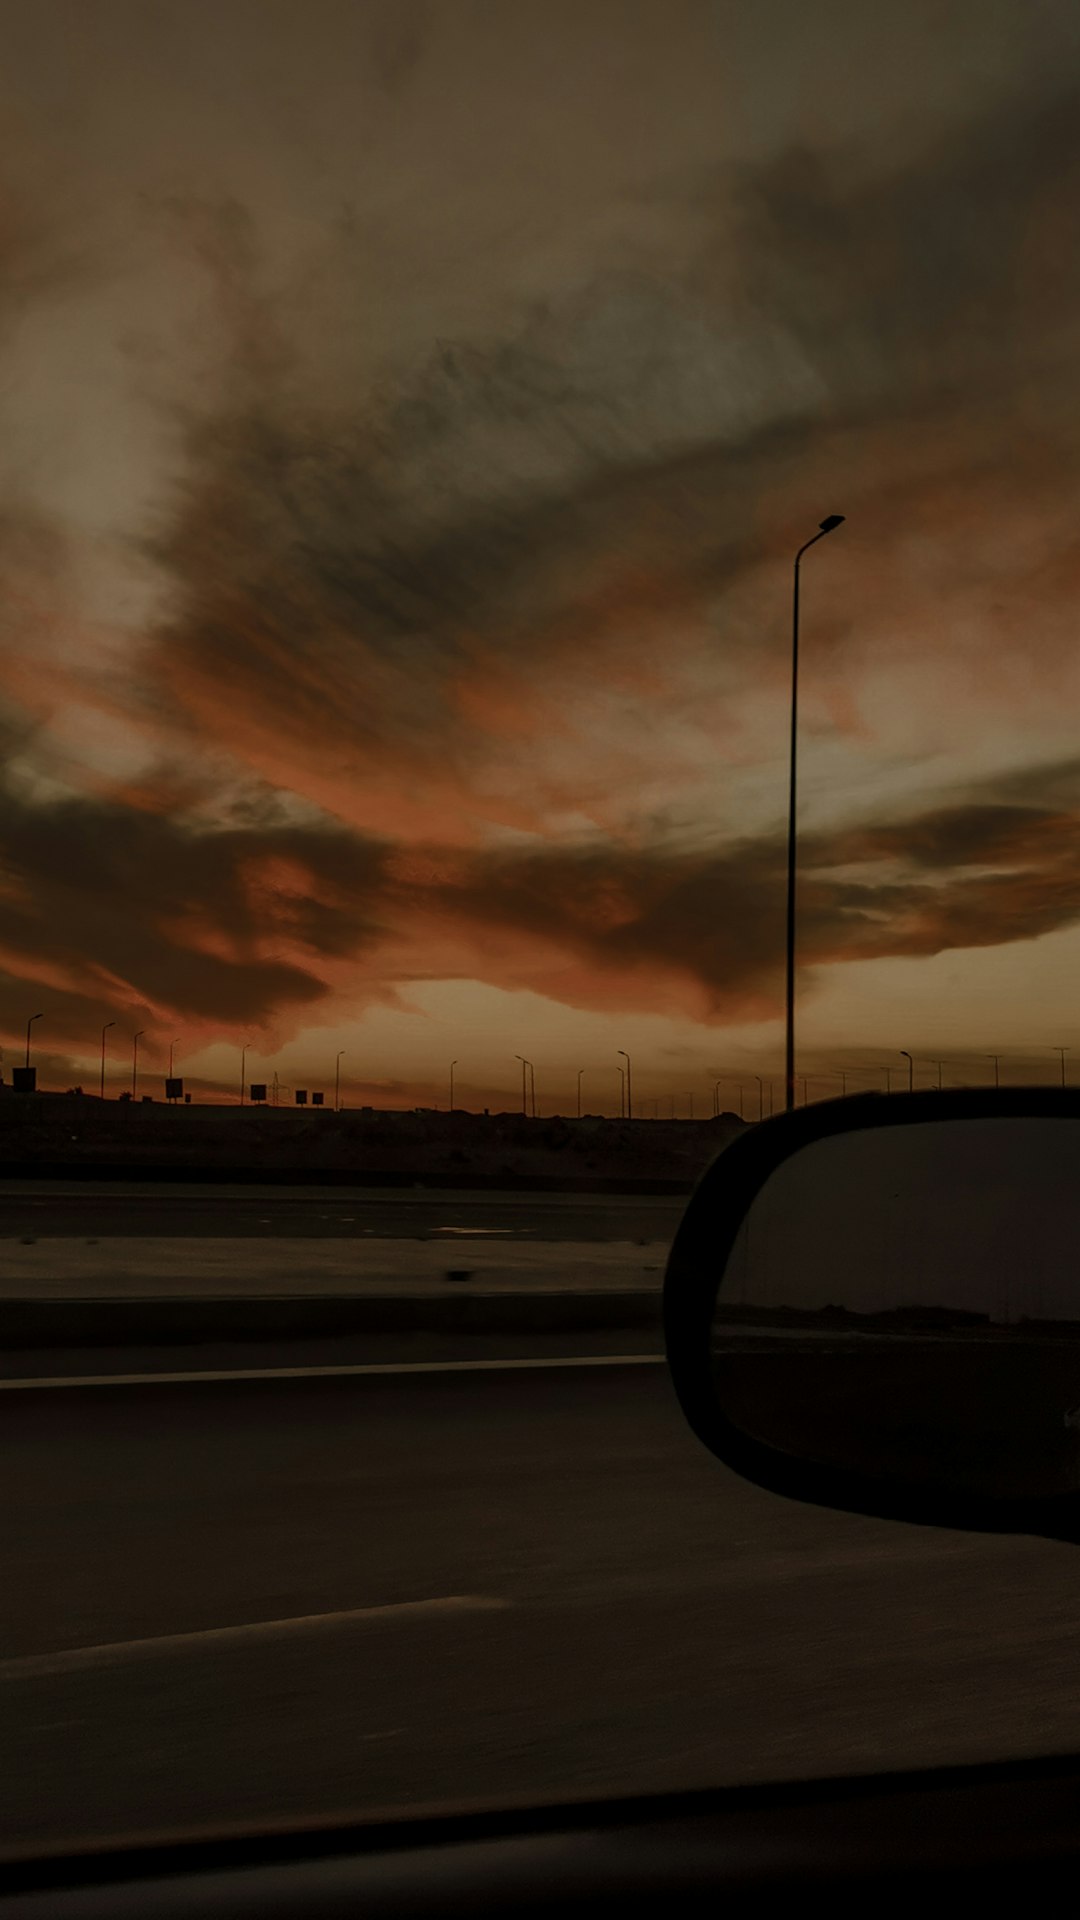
[902, 1302]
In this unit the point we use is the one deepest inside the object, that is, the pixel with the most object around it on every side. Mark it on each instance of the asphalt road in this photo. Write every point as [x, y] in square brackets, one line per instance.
[334, 1213]
[234, 1603]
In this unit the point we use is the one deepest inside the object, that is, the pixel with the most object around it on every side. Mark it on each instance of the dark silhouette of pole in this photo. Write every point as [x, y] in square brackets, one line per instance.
[173, 1044]
[524, 1084]
[939, 1064]
[104, 1031]
[532, 1087]
[831, 521]
[453, 1064]
[910, 1069]
[622, 1092]
[135, 1062]
[629, 1085]
[995, 1057]
[888, 1079]
[29, 1024]
[337, 1080]
[243, 1066]
[580, 1071]
[760, 1096]
[716, 1099]
[1062, 1051]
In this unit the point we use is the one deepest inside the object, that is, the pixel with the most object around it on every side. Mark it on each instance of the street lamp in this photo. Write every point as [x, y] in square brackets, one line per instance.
[453, 1064]
[532, 1087]
[827, 525]
[173, 1044]
[760, 1096]
[995, 1057]
[580, 1071]
[939, 1064]
[243, 1062]
[716, 1099]
[622, 1091]
[1062, 1051]
[337, 1080]
[888, 1079]
[29, 1024]
[629, 1085]
[910, 1069]
[524, 1084]
[135, 1062]
[104, 1031]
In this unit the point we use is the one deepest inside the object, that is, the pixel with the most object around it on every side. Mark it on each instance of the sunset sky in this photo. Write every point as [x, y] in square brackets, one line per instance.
[409, 412]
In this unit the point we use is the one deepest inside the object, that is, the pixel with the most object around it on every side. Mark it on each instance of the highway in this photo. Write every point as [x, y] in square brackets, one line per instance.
[243, 1601]
[85, 1211]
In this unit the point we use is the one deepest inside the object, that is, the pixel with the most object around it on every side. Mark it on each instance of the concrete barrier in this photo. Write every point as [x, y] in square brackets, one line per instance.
[175, 1320]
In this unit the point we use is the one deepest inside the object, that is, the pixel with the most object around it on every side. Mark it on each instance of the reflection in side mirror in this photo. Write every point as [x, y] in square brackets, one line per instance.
[894, 1321]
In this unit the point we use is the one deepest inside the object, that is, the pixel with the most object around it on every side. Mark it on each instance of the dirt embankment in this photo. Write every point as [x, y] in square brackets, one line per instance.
[83, 1137]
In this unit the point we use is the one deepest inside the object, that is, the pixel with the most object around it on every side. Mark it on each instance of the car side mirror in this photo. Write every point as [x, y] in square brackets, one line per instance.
[874, 1304]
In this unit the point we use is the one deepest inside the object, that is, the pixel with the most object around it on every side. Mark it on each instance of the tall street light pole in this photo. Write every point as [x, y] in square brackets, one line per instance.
[532, 1087]
[104, 1031]
[337, 1080]
[243, 1066]
[629, 1085]
[29, 1024]
[1062, 1051]
[910, 1069]
[996, 1057]
[453, 1064]
[135, 1062]
[760, 1096]
[888, 1079]
[580, 1071]
[173, 1044]
[830, 522]
[524, 1084]
[621, 1071]
[716, 1099]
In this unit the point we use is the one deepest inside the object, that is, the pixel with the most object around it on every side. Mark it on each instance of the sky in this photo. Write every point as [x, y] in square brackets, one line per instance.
[408, 416]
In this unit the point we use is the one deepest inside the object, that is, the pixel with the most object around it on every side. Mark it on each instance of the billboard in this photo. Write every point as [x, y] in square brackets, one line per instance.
[258, 1090]
[301, 1096]
[24, 1079]
[316, 1099]
[174, 1089]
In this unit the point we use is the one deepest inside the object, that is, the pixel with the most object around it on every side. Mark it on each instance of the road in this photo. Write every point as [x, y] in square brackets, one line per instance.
[481, 1587]
[85, 1212]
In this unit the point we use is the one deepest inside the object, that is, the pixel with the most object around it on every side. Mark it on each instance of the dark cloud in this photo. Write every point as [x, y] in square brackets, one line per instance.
[112, 907]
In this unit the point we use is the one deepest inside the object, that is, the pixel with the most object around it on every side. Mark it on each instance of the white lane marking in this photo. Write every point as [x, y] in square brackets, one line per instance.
[32, 1666]
[43, 1382]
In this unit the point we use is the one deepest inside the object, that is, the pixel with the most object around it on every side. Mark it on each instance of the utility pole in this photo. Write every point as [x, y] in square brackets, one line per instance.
[104, 1031]
[337, 1080]
[135, 1062]
[29, 1024]
[580, 1071]
[827, 525]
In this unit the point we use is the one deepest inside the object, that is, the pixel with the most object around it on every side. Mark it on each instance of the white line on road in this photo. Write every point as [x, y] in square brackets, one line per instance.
[33, 1666]
[44, 1382]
